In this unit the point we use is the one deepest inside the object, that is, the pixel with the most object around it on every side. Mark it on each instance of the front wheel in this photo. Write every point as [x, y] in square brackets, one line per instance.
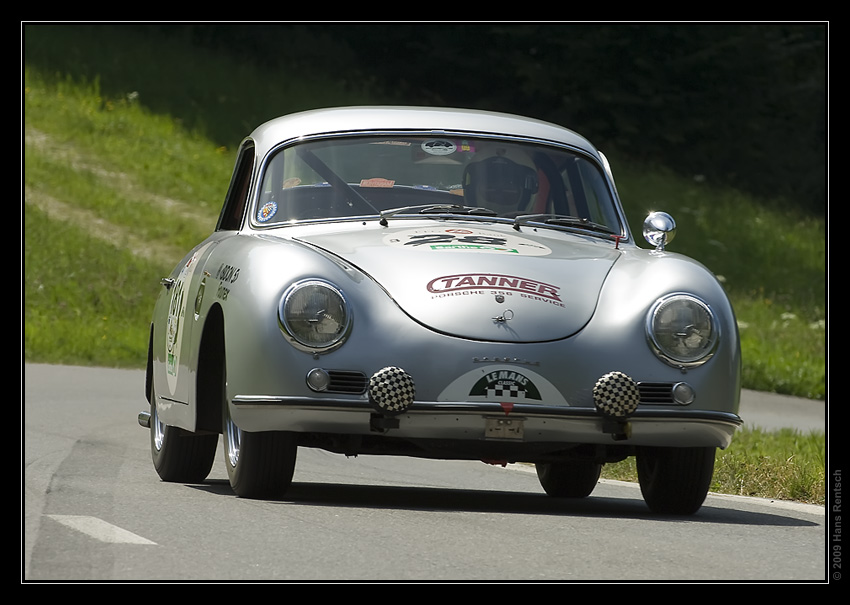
[675, 480]
[178, 455]
[259, 465]
[568, 479]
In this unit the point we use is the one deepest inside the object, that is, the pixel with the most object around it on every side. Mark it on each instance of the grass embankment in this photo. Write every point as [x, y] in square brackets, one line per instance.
[116, 193]
[782, 465]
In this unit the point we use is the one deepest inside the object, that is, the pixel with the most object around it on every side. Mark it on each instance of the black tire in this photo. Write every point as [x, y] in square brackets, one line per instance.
[178, 455]
[675, 480]
[568, 479]
[259, 465]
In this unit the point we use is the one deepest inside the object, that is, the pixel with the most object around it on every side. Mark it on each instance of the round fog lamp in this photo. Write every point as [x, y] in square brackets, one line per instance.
[683, 393]
[318, 380]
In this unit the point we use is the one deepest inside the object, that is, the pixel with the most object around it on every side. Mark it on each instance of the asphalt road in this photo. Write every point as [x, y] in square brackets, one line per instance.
[770, 412]
[94, 510]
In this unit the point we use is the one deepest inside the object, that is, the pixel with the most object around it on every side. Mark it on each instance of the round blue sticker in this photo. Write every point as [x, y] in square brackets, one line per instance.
[267, 211]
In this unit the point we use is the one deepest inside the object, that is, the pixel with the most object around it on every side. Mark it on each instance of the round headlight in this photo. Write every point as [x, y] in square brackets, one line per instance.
[682, 330]
[314, 315]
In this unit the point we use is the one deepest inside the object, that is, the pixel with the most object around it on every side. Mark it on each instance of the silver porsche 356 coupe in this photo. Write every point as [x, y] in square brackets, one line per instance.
[446, 284]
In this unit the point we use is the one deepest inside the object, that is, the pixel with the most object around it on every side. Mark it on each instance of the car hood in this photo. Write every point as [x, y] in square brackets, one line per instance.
[484, 283]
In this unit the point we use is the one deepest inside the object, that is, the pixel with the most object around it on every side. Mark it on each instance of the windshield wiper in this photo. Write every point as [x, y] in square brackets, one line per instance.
[437, 209]
[323, 170]
[456, 209]
[562, 221]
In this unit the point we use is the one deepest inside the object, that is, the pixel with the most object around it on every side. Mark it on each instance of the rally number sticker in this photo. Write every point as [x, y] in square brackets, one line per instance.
[465, 240]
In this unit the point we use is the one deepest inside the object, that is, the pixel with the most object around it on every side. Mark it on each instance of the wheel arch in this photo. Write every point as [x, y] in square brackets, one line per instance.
[209, 381]
[149, 368]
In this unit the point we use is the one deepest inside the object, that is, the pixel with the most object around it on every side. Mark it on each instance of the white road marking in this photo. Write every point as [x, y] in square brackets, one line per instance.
[100, 529]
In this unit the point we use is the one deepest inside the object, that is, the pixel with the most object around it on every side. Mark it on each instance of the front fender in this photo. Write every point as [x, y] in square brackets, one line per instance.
[618, 327]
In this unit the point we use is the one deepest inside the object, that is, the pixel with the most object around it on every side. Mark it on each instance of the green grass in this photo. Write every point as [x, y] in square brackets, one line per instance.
[106, 214]
[122, 179]
[781, 465]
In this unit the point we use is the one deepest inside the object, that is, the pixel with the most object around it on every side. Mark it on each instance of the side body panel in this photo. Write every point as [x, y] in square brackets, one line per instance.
[176, 333]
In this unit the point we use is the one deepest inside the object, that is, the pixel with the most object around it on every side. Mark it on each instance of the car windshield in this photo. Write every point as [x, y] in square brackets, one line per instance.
[404, 175]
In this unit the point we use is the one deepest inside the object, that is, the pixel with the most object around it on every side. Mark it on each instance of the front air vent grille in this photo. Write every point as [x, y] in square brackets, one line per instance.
[342, 381]
[656, 393]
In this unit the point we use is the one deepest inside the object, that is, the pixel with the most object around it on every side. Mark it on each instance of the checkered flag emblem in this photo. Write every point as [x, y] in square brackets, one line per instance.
[391, 390]
[505, 392]
[616, 395]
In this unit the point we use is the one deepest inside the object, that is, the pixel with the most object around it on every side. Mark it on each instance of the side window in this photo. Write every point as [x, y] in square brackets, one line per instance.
[237, 194]
[600, 205]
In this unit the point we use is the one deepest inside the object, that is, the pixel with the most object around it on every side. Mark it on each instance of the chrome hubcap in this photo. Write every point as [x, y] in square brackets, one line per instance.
[158, 429]
[233, 435]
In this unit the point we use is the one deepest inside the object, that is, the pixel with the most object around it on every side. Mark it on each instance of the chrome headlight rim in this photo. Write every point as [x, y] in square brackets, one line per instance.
[701, 354]
[292, 334]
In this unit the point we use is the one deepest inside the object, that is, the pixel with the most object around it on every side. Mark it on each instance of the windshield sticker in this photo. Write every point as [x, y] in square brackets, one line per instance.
[502, 384]
[377, 182]
[439, 147]
[395, 143]
[465, 240]
[267, 212]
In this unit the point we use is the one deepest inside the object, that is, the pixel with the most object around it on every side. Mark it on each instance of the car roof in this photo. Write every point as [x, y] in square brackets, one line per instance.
[377, 118]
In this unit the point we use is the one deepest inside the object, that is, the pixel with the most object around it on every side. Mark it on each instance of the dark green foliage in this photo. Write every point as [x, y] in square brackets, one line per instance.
[741, 103]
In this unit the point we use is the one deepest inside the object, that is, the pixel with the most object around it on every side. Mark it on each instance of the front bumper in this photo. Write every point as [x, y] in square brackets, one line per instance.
[517, 424]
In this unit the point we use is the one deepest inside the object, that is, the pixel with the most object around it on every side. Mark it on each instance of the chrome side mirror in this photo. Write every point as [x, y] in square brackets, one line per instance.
[659, 229]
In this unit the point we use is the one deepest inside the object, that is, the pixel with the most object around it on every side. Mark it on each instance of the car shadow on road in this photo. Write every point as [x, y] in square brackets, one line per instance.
[418, 498]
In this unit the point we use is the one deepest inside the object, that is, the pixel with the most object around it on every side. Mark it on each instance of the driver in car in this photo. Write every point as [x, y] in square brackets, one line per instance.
[504, 180]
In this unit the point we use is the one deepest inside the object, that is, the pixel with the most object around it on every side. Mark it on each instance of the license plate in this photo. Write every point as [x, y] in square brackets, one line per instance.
[503, 428]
